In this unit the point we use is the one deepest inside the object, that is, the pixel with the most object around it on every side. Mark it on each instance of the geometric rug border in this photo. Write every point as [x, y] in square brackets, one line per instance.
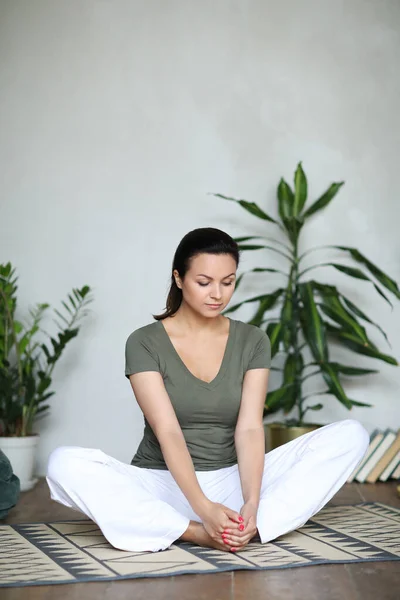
[219, 569]
[205, 572]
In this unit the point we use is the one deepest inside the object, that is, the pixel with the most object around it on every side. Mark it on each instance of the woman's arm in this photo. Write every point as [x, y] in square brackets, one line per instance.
[249, 434]
[155, 403]
[250, 450]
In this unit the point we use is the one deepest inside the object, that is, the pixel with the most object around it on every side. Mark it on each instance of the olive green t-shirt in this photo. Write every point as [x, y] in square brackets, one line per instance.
[207, 412]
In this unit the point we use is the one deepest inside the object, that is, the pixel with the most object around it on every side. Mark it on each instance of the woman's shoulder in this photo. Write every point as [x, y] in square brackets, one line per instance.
[141, 352]
[145, 333]
[249, 332]
[255, 344]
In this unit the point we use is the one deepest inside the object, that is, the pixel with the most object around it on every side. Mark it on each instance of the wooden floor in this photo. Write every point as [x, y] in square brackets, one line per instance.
[362, 581]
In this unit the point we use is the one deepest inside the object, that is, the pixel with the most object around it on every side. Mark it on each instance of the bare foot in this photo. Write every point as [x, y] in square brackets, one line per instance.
[196, 534]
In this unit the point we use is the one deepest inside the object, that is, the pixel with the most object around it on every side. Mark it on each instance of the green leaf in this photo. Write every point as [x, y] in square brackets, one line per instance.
[18, 327]
[324, 200]
[44, 383]
[274, 332]
[256, 270]
[286, 319]
[275, 399]
[357, 273]
[380, 292]
[258, 317]
[84, 291]
[5, 270]
[45, 397]
[332, 380]
[23, 343]
[260, 247]
[285, 200]
[294, 365]
[66, 307]
[356, 403]
[312, 324]
[55, 344]
[247, 238]
[362, 315]
[329, 291]
[251, 207]
[290, 368]
[42, 409]
[335, 310]
[266, 303]
[61, 317]
[293, 227]
[72, 301]
[346, 370]
[239, 280]
[382, 277]
[255, 210]
[270, 300]
[315, 407]
[77, 294]
[352, 342]
[266, 270]
[251, 246]
[300, 190]
[45, 350]
[42, 306]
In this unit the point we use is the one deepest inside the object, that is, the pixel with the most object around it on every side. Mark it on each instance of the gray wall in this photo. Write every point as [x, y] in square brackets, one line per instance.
[118, 117]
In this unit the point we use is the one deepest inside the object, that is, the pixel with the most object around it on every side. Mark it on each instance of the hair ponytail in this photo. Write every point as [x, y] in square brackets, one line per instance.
[174, 300]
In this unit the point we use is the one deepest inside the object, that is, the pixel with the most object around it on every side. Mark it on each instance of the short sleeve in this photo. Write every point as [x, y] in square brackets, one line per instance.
[139, 354]
[261, 357]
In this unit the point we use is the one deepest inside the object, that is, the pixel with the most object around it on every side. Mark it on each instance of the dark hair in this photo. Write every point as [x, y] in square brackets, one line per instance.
[206, 240]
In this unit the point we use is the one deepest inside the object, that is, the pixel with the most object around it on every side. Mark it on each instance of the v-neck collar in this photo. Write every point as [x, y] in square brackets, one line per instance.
[225, 358]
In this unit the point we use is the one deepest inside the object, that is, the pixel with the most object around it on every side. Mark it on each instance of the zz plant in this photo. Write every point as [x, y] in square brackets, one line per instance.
[311, 313]
[27, 361]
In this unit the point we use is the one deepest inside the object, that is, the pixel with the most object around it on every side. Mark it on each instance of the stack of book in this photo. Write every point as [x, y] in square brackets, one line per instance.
[382, 459]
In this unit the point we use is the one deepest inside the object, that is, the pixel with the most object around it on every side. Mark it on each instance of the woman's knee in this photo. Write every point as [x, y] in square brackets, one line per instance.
[62, 461]
[355, 435]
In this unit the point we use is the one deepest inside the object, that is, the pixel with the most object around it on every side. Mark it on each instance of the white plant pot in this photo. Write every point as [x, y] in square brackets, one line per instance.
[21, 452]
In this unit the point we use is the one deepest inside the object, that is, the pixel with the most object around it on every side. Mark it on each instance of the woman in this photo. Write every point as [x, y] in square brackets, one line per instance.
[200, 473]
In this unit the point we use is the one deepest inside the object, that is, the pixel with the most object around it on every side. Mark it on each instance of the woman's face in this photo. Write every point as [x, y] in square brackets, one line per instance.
[209, 283]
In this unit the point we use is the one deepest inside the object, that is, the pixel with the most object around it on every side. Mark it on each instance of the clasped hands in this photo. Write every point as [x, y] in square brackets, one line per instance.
[226, 526]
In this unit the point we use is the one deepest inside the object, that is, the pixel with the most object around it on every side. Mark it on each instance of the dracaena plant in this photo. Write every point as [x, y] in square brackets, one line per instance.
[310, 313]
[27, 361]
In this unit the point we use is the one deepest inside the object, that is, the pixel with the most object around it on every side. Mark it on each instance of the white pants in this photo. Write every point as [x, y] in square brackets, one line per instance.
[144, 509]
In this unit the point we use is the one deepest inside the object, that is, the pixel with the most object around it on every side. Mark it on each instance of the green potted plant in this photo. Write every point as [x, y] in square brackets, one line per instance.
[308, 314]
[27, 361]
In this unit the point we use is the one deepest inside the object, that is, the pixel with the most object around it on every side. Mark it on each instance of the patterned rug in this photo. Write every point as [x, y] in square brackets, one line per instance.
[76, 551]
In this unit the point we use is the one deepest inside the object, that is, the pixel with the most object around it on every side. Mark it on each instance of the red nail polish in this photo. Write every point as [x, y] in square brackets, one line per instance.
[241, 519]
[241, 527]
[233, 549]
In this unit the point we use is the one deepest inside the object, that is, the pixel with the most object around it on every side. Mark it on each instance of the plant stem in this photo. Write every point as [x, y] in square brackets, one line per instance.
[50, 367]
[15, 340]
[295, 329]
